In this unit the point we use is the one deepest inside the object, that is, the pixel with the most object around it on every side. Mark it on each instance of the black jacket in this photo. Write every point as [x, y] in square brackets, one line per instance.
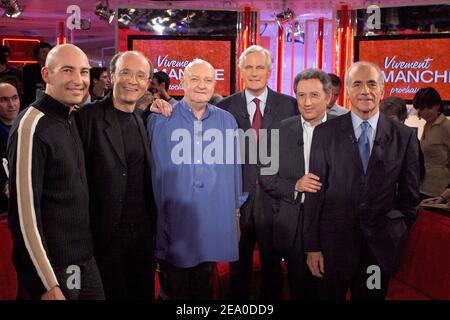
[106, 167]
[48, 180]
[281, 185]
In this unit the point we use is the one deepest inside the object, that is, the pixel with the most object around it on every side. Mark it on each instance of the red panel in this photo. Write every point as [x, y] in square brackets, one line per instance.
[21, 48]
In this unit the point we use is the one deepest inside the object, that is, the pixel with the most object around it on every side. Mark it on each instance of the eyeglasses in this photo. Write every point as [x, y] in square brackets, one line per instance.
[127, 74]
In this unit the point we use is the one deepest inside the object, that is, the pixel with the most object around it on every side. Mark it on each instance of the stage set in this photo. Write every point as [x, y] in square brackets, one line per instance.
[408, 40]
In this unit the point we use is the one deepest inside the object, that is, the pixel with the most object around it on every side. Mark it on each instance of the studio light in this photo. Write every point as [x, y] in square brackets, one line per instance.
[13, 9]
[285, 16]
[104, 11]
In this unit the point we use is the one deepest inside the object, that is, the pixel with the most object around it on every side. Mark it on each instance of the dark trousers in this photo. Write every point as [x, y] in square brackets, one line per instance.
[185, 283]
[299, 276]
[80, 281]
[127, 265]
[336, 289]
[258, 231]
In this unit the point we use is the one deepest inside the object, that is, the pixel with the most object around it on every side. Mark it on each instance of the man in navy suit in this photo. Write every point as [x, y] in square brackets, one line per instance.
[290, 183]
[257, 107]
[356, 226]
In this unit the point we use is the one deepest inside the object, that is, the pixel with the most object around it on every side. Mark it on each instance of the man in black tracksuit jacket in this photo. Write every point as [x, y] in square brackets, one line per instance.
[49, 207]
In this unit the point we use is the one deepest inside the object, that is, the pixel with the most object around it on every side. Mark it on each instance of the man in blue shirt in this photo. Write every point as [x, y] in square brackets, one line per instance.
[197, 183]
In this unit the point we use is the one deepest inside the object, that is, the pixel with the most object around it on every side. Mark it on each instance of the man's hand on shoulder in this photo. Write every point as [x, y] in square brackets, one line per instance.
[161, 106]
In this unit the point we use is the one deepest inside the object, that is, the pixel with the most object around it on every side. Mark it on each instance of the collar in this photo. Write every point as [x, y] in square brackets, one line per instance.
[441, 117]
[52, 107]
[373, 120]
[262, 97]
[187, 111]
[307, 124]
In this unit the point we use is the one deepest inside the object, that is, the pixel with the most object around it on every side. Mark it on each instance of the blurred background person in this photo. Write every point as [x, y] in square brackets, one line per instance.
[8, 73]
[9, 108]
[336, 85]
[160, 86]
[215, 99]
[100, 83]
[32, 78]
[435, 142]
[444, 197]
[143, 106]
[395, 108]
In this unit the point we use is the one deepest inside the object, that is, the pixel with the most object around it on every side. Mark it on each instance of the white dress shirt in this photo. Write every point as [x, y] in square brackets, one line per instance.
[308, 131]
[251, 106]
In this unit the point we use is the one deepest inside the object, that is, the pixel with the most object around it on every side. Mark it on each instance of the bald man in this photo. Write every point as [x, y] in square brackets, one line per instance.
[198, 193]
[49, 207]
[9, 107]
[118, 170]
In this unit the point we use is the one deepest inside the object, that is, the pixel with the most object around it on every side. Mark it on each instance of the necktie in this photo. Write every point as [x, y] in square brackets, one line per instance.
[363, 145]
[257, 118]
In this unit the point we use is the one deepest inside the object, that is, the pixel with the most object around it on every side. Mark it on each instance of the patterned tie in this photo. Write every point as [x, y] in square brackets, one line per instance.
[257, 118]
[363, 145]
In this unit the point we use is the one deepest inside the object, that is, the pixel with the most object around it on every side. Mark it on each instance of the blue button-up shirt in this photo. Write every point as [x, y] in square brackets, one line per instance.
[371, 131]
[197, 183]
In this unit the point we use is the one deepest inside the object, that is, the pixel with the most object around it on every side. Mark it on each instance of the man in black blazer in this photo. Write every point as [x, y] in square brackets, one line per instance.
[118, 169]
[293, 180]
[356, 226]
[257, 107]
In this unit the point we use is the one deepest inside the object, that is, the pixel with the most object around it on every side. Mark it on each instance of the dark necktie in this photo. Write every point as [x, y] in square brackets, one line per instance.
[364, 145]
[257, 118]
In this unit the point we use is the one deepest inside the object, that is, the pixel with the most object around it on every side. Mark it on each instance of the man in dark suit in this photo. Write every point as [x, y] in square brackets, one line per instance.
[257, 107]
[293, 180]
[356, 226]
[118, 169]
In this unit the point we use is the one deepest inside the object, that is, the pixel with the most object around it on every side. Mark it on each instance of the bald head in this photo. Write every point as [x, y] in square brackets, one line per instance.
[198, 83]
[62, 50]
[127, 55]
[9, 103]
[196, 62]
[66, 74]
[5, 85]
[131, 71]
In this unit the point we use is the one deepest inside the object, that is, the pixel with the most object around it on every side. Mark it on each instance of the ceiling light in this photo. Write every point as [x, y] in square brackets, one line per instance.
[285, 16]
[104, 11]
[13, 8]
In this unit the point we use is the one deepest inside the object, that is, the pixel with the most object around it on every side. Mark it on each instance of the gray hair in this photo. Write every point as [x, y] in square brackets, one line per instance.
[113, 63]
[313, 73]
[367, 64]
[253, 49]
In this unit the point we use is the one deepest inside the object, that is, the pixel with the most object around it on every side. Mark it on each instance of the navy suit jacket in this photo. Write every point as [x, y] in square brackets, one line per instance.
[278, 107]
[378, 207]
